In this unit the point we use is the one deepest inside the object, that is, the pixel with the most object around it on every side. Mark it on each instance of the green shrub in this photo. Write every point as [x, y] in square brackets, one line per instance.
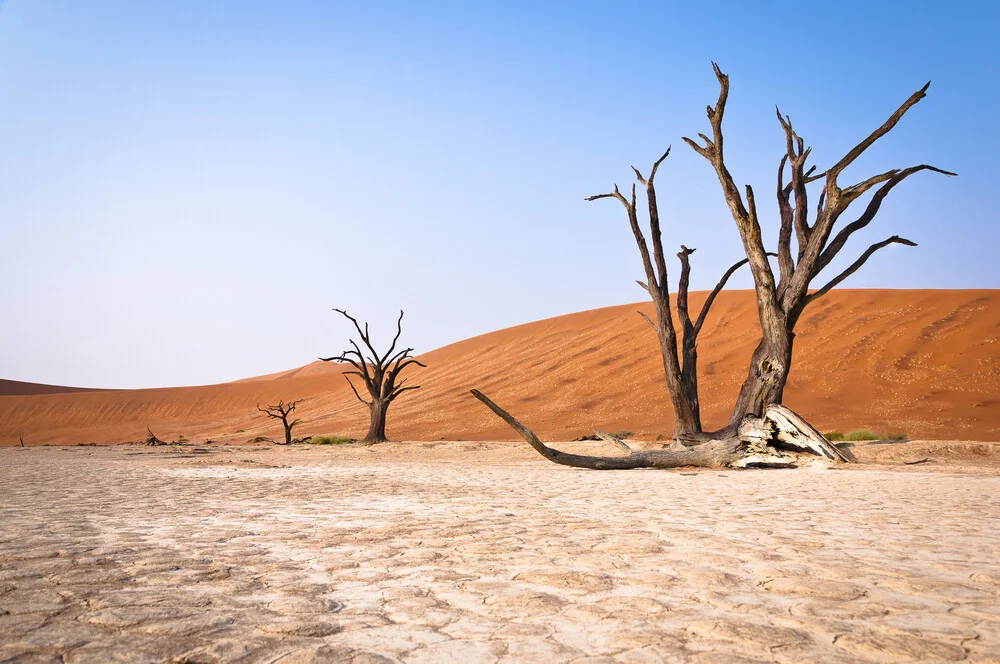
[328, 440]
[862, 434]
[898, 435]
[833, 435]
[621, 435]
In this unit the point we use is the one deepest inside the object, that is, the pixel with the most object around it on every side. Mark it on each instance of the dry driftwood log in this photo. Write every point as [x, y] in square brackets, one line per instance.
[764, 441]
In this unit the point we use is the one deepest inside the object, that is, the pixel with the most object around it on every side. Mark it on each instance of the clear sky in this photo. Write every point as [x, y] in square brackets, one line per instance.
[187, 188]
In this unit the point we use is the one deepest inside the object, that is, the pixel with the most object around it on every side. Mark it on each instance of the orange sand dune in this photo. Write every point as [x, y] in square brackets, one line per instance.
[923, 362]
[20, 387]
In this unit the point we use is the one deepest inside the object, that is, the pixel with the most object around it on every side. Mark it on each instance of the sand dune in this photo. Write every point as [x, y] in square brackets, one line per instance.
[10, 387]
[922, 362]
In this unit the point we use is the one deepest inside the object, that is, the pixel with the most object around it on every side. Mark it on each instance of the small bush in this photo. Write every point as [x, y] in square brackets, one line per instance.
[898, 435]
[621, 435]
[833, 435]
[328, 440]
[861, 434]
[259, 439]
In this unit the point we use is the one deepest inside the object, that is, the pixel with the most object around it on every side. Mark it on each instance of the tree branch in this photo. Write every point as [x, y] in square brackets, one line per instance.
[354, 389]
[895, 239]
[399, 331]
[838, 242]
[654, 219]
[886, 127]
[718, 289]
[682, 287]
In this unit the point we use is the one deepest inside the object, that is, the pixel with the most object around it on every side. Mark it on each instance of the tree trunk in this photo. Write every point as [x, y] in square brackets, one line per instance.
[376, 432]
[288, 432]
[765, 381]
[756, 442]
[683, 392]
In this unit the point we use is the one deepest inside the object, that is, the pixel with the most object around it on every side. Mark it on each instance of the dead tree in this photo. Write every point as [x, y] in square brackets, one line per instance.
[760, 428]
[781, 302]
[681, 371]
[281, 411]
[379, 374]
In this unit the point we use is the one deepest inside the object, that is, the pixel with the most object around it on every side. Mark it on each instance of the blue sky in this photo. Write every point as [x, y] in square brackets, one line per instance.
[187, 188]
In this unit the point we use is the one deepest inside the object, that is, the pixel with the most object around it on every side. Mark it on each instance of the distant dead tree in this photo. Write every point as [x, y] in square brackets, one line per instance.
[281, 411]
[759, 427]
[379, 372]
[681, 371]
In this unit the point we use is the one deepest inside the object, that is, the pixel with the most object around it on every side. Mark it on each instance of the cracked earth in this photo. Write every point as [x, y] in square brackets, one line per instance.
[458, 552]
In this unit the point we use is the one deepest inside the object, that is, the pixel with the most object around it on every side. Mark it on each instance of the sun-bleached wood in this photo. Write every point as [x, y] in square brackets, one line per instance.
[759, 442]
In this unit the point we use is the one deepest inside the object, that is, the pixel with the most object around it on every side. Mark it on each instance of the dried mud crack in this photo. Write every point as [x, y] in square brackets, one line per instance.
[451, 554]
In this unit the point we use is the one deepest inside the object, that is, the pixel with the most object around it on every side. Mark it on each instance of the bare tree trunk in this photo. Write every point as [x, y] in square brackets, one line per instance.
[376, 431]
[288, 431]
[683, 391]
[767, 375]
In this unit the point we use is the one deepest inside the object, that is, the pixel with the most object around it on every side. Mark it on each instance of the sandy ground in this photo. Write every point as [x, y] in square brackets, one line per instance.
[470, 552]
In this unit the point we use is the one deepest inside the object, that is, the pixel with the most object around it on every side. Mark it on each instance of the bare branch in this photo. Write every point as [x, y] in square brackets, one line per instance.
[654, 223]
[614, 440]
[354, 389]
[838, 242]
[886, 127]
[682, 286]
[718, 289]
[895, 239]
[616, 194]
[365, 337]
[785, 264]
[651, 324]
[399, 331]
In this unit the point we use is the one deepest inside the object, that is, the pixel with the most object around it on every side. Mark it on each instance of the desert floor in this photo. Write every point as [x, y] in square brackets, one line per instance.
[476, 552]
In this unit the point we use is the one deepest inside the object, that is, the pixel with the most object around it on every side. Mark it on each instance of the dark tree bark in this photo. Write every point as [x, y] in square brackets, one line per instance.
[781, 302]
[281, 411]
[379, 372]
[679, 368]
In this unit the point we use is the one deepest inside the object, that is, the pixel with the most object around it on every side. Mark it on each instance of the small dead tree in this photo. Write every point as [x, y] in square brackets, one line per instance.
[379, 372]
[281, 411]
[681, 370]
[781, 302]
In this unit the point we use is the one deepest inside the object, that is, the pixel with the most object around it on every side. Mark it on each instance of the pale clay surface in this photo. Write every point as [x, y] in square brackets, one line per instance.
[138, 554]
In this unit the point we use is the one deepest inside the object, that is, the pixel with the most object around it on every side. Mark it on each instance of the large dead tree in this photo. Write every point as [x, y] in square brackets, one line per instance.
[379, 372]
[760, 430]
[681, 371]
[781, 301]
[282, 411]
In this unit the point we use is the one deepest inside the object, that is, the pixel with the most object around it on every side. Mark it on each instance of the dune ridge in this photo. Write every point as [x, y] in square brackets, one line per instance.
[923, 362]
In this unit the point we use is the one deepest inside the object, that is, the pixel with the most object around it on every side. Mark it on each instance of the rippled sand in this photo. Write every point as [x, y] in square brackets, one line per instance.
[462, 552]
